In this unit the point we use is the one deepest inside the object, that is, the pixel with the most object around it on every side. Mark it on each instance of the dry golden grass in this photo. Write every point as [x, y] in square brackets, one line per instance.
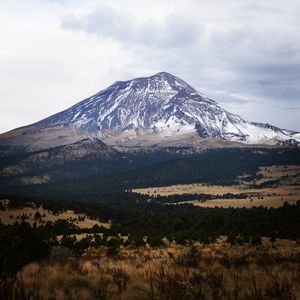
[195, 188]
[267, 201]
[288, 190]
[216, 271]
[14, 215]
[278, 172]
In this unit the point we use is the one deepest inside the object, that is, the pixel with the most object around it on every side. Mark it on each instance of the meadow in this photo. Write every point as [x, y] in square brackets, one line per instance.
[196, 271]
[271, 186]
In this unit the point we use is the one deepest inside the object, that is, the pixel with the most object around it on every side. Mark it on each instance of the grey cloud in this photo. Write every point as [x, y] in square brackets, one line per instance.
[241, 56]
[264, 62]
[106, 22]
[260, 8]
[292, 108]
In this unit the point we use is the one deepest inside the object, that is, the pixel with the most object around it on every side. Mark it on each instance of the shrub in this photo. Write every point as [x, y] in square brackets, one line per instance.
[112, 251]
[59, 252]
[19, 245]
[155, 241]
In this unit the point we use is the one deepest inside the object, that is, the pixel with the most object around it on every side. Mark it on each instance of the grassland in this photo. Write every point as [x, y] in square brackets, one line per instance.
[215, 271]
[10, 216]
[270, 187]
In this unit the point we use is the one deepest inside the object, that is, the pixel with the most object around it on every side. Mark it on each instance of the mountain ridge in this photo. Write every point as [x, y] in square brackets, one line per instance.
[161, 109]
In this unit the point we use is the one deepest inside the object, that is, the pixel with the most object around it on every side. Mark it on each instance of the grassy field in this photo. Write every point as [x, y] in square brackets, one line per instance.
[215, 271]
[286, 189]
[11, 216]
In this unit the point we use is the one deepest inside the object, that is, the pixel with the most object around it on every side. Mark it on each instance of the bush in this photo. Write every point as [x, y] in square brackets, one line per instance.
[59, 252]
[255, 240]
[19, 245]
[190, 258]
[37, 216]
[112, 251]
[155, 241]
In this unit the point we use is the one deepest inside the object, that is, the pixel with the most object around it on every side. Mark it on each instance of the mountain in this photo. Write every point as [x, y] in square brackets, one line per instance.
[158, 110]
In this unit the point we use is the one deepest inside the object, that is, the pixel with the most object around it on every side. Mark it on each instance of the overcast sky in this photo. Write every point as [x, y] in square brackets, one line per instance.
[243, 54]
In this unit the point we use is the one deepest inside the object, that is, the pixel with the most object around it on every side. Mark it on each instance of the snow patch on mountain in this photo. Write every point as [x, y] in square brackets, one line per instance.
[159, 107]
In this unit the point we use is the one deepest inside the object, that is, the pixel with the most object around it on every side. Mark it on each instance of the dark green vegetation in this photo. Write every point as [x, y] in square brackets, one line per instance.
[19, 245]
[94, 176]
[139, 218]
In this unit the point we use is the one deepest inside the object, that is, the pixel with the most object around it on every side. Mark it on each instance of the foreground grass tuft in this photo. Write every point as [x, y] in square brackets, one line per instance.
[216, 271]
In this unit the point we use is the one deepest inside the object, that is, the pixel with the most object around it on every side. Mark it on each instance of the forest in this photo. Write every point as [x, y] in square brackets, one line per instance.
[94, 179]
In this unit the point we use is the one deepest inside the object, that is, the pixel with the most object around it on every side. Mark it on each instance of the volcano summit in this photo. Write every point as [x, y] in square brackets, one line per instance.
[158, 110]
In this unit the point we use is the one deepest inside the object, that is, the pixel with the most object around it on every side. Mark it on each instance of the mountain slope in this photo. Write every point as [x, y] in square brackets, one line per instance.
[157, 110]
[64, 161]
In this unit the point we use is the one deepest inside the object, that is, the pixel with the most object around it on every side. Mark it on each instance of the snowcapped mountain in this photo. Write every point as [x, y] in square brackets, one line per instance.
[157, 110]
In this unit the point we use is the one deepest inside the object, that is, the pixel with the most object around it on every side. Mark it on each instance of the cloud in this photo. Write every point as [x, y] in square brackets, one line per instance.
[106, 22]
[263, 61]
[243, 54]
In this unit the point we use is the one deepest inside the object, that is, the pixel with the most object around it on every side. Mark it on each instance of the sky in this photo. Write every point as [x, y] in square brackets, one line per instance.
[243, 54]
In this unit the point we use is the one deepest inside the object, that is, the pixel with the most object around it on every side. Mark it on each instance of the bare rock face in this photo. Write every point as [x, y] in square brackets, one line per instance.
[157, 110]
